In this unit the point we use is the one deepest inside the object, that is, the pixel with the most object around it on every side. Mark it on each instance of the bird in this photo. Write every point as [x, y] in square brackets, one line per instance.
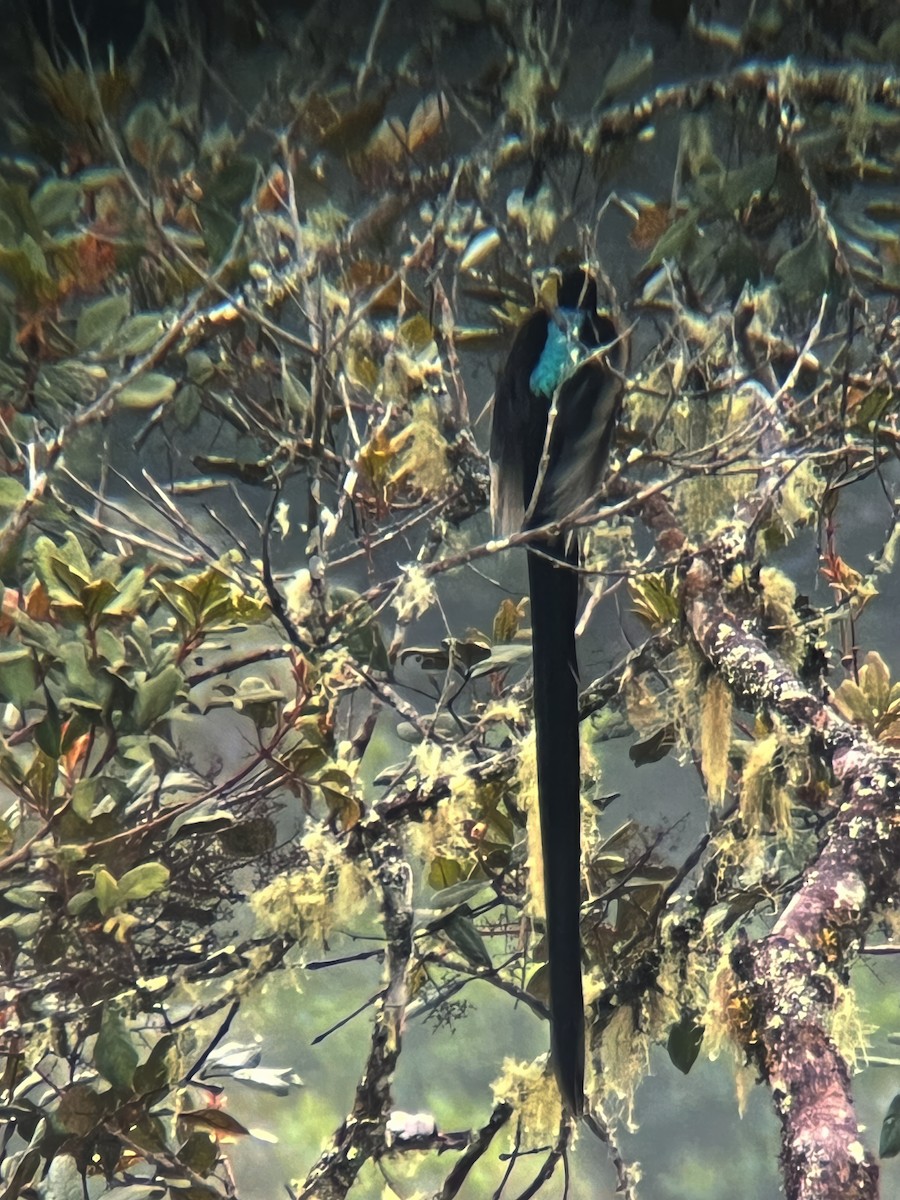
[556, 405]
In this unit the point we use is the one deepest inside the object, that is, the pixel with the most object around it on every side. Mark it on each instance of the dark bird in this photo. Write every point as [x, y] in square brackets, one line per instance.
[555, 410]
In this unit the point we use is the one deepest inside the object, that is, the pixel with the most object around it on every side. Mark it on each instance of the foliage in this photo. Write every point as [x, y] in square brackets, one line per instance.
[244, 560]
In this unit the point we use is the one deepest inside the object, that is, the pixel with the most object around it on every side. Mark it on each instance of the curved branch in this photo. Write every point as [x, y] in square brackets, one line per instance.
[792, 976]
[362, 1134]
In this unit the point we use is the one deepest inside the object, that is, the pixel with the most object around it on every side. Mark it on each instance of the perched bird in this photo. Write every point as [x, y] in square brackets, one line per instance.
[555, 409]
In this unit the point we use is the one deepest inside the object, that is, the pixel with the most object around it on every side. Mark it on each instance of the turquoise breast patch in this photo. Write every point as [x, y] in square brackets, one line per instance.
[561, 353]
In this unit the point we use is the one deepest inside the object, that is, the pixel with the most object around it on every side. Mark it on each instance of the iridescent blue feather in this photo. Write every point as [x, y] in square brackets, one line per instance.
[562, 352]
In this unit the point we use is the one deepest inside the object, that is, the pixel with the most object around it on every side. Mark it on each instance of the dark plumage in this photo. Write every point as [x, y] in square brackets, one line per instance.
[557, 359]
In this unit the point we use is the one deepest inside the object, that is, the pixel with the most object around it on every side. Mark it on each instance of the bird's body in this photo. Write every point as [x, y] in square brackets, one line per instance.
[555, 409]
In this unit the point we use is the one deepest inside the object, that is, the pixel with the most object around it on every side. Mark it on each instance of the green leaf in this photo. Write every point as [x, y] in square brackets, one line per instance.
[99, 795]
[63, 570]
[106, 891]
[96, 595]
[215, 1119]
[143, 881]
[79, 1109]
[889, 42]
[48, 734]
[128, 593]
[147, 391]
[255, 697]
[458, 894]
[33, 898]
[180, 598]
[18, 677]
[42, 776]
[56, 202]
[805, 273]
[199, 1153]
[84, 795]
[137, 334]
[461, 931]
[114, 1055]
[853, 702]
[98, 322]
[874, 405]
[80, 901]
[11, 492]
[163, 1066]
[34, 266]
[889, 1142]
[501, 659]
[94, 178]
[297, 399]
[200, 367]
[218, 229]
[21, 1170]
[31, 280]
[740, 186]
[186, 406]
[685, 1040]
[15, 207]
[677, 242]
[468, 652]
[653, 748]
[444, 873]
[85, 689]
[156, 695]
[656, 598]
[630, 65]
[146, 133]
[875, 681]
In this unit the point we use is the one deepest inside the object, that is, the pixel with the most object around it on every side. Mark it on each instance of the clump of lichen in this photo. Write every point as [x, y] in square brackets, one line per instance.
[415, 594]
[526, 789]
[779, 596]
[442, 833]
[765, 803]
[728, 1024]
[620, 1057]
[715, 736]
[531, 1089]
[423, 464]
[308, 904]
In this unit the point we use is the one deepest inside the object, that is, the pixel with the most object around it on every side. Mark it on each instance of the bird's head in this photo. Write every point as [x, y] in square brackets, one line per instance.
[555, 405]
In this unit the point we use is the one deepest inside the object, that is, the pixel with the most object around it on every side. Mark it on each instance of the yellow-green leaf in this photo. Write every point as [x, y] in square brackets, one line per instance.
[147, 391]
[143, 881]
[98, 322]
[156, 695]
[114, 1055]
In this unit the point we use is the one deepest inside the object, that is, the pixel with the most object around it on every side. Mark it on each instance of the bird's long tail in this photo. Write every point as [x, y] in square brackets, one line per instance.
[554, 602]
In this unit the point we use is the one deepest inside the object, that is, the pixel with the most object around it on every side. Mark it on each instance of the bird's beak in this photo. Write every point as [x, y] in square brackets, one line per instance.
[548, 292]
